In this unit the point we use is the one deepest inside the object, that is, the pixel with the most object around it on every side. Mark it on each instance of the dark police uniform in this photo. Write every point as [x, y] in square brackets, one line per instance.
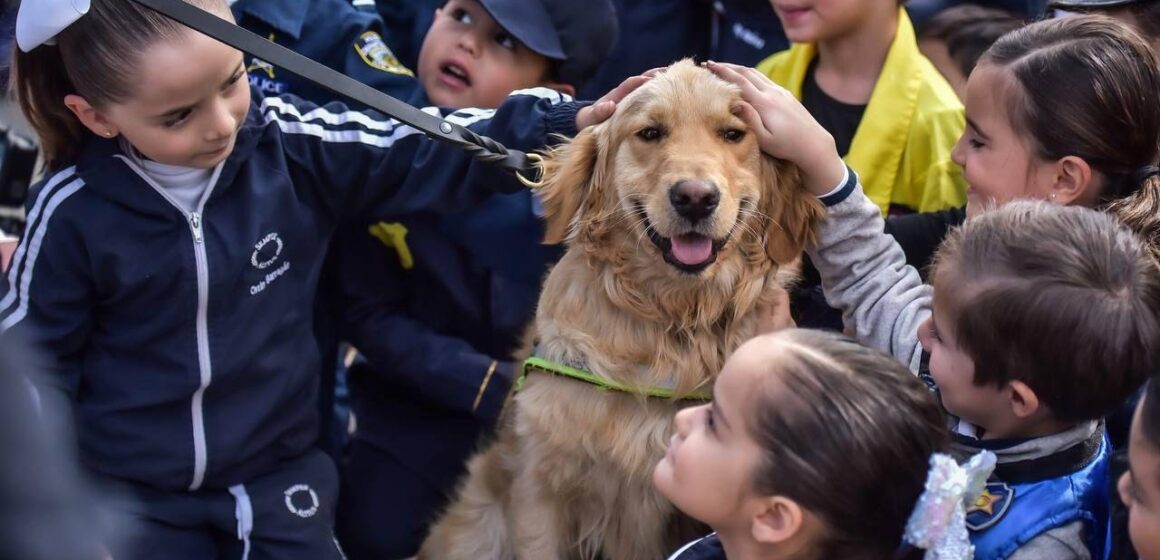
[335, 33]
[437, 319]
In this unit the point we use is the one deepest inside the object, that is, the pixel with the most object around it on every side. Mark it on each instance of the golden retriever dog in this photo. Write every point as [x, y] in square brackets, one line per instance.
[676, 226]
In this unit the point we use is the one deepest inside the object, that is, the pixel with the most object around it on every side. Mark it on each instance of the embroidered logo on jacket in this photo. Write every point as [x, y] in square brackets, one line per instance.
[301, 500]
[266, 253]
[378, 55]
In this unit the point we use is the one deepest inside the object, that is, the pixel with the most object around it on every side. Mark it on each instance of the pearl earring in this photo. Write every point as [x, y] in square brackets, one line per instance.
[1052, 196]
[109, 134]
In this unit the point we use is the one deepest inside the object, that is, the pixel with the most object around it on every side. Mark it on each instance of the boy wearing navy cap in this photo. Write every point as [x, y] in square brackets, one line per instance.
[438, 306]
[478, 51]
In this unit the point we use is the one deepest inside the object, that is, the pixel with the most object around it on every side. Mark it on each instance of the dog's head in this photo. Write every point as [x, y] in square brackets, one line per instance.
[676, 171]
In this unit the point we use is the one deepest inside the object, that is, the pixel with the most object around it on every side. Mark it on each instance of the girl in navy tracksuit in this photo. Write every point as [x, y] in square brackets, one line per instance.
[171, 259]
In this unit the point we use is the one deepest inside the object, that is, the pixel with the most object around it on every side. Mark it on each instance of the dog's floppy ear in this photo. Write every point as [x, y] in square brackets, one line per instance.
[794, 213]
[568, 171]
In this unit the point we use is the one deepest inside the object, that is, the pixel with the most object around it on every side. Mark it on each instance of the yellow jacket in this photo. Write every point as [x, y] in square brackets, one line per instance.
[902, 148]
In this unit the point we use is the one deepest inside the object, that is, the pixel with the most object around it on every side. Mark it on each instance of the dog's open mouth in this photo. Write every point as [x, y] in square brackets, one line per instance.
[690, 252]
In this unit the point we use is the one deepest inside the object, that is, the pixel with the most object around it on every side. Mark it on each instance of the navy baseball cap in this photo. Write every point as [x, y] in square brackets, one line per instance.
[577, 34]
[1088, 4]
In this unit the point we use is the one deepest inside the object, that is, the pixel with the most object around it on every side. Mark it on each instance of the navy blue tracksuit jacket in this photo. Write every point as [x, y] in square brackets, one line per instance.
[184, 339]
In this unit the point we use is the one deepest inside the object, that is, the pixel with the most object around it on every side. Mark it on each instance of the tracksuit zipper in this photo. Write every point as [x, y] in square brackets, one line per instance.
[205, 367]
[200, 455]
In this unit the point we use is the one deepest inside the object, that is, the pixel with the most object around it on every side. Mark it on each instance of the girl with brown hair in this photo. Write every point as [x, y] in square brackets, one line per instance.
[814, 447]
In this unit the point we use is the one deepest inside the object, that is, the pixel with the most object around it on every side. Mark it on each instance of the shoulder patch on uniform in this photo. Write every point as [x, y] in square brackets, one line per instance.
[259, 65]
[990, 506]
[375, 52]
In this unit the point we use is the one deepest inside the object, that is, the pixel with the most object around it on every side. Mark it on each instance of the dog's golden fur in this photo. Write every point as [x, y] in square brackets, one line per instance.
[570, 475]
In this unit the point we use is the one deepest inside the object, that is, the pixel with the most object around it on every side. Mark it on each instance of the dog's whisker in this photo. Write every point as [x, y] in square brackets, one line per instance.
[745, 225]
[620, 214]
[760, 214]
[624, 215]
[750, 230]
[644, 229]
[755, 212]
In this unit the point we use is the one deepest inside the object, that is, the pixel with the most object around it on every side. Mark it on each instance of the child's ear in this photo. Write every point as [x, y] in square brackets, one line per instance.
[1024, 401]
[93, 119]
[778, 520]
[1073, 181]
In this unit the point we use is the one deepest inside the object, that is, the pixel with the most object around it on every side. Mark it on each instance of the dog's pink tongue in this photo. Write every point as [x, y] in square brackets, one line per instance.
[692, 249]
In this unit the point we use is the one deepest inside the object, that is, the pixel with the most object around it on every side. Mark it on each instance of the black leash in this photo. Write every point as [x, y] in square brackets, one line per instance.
[480, 147]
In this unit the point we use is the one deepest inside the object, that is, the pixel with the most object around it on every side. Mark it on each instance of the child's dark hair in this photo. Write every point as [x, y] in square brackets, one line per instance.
[1088, 88]
[1063, 299]
[832, 400]
[96, 58]
[968, 30]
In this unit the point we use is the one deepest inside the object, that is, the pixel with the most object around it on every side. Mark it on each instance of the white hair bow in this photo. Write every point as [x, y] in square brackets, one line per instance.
[938, 522]
[39, 21]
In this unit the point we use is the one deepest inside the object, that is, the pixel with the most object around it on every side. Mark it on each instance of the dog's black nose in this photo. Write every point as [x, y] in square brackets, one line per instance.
[694, 199]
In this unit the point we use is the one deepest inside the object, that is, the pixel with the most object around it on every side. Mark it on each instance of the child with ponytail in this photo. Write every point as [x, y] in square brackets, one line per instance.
[172, 256]
[815, 447]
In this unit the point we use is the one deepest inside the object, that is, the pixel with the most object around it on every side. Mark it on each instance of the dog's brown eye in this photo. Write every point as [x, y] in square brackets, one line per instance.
[733, 135]
[650, 134]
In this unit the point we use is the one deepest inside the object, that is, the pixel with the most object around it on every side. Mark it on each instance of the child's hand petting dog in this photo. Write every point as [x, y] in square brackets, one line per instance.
[784, 128]
[603, 108]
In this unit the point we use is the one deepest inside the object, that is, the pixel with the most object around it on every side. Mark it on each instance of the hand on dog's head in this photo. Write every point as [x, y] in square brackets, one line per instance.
[676, 170]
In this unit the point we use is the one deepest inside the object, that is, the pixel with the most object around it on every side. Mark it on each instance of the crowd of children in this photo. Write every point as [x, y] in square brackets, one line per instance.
[213, 234]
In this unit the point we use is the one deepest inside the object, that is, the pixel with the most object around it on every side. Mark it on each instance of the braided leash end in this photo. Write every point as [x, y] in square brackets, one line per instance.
[536, 165]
